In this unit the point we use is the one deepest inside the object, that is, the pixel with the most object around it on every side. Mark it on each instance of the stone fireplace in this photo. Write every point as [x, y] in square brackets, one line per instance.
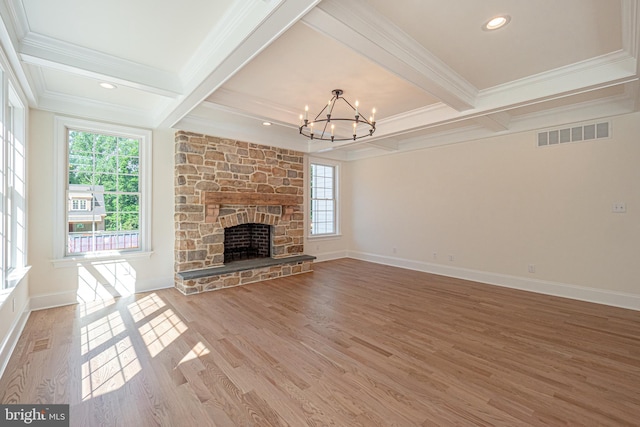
[224, 184]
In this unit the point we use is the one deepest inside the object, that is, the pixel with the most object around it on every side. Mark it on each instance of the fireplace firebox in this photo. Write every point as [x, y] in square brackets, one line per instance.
[247, 241]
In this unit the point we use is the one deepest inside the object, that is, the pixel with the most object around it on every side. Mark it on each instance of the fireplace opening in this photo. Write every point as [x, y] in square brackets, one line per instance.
[247, 241]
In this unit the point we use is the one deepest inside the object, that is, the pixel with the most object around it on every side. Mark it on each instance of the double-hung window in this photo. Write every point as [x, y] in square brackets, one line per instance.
[104, 190]
[323, 209]
[12, 184]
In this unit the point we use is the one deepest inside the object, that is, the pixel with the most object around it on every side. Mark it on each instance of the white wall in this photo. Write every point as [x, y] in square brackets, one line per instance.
[332, 247]
[14, 311]
[497, 205]
[51, 286]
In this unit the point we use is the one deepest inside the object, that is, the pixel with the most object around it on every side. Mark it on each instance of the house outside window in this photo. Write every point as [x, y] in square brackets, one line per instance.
[106, 189]
[323, 209]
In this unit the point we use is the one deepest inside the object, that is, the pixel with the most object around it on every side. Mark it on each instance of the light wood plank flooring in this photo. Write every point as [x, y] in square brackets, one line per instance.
[351, 344]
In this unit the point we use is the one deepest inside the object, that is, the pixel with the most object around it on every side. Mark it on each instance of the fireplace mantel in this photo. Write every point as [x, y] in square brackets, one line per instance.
[213, 201]
[250, 199]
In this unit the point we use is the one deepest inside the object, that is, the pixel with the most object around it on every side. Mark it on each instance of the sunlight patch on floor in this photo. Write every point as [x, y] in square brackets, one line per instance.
[145, 306]
[161, 331]
[197, 351]
[101, 331]
[105, 280]
[110, 369]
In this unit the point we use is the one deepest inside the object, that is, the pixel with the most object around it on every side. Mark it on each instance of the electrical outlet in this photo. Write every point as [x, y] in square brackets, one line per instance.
[531, 268]
[395, 250]
[451, 258]
[619, 207]
[435, 255]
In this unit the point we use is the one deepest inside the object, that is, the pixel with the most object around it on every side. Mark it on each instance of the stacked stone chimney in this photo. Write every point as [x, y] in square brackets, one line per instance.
[221, 183]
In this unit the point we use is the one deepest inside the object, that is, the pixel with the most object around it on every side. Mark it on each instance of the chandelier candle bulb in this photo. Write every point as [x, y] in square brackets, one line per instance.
[373, 115]
[306, 113]
[357, 110]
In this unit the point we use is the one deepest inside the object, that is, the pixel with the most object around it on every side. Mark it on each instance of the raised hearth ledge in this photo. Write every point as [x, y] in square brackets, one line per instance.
[244, 265]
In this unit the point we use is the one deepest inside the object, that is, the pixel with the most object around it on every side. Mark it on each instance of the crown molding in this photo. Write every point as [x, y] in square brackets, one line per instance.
[11, 58]
[630, 28]
[47, 52]
[252, 106]
[18, 18]
[257, 134]
[559, 116]
[365, 31]
[602, 71]
[92, 109]
[496, 122]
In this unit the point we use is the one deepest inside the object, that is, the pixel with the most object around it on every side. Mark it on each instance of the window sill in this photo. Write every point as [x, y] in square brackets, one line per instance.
[325, 236]
[104, 257]
[12, 281]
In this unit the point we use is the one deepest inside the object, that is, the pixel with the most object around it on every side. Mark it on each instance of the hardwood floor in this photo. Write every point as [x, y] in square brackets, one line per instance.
[351, 344]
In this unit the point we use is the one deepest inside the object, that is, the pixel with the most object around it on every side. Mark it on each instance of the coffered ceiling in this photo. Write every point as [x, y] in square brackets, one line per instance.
[224, 67]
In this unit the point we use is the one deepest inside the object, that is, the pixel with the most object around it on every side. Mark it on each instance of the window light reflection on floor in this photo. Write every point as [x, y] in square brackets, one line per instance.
[110, 369]
[161, 331]
[145, 307]
[103, 280]
[101, 331]
[197, 351]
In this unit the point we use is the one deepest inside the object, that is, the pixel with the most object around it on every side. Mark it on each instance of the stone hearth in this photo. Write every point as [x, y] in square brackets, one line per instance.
[223, 183]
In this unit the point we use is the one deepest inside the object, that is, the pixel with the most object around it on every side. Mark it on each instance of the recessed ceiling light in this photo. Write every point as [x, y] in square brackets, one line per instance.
[266, 123]
[496, 22]
[106, 85]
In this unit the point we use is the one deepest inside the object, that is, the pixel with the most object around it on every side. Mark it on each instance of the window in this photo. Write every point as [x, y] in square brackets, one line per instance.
[15, 183]
[105, 188]
[323, 199]
[13, 196]
[78, 205]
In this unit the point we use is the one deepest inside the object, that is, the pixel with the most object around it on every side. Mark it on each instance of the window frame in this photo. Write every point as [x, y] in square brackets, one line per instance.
[336, 198]
[15, 183]
[61, 145]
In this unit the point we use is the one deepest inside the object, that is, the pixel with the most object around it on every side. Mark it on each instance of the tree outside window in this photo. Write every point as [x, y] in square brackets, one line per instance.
[103, 177]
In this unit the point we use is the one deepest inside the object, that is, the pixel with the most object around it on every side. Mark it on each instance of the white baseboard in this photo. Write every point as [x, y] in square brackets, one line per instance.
[154, 285]
[10, 341]
[328, 256]
[599, 296]
[58, 299]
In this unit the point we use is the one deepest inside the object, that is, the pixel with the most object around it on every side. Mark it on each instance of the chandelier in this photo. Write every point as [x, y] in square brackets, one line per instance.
[337, 121]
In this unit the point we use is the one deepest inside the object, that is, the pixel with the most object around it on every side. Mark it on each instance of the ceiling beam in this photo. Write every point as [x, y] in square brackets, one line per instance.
[385, 144]
[50, 53]
[362, 29]
[262, 24]
[496, 122]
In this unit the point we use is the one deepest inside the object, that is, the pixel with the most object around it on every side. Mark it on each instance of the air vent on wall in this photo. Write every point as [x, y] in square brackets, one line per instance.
[574, 133]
